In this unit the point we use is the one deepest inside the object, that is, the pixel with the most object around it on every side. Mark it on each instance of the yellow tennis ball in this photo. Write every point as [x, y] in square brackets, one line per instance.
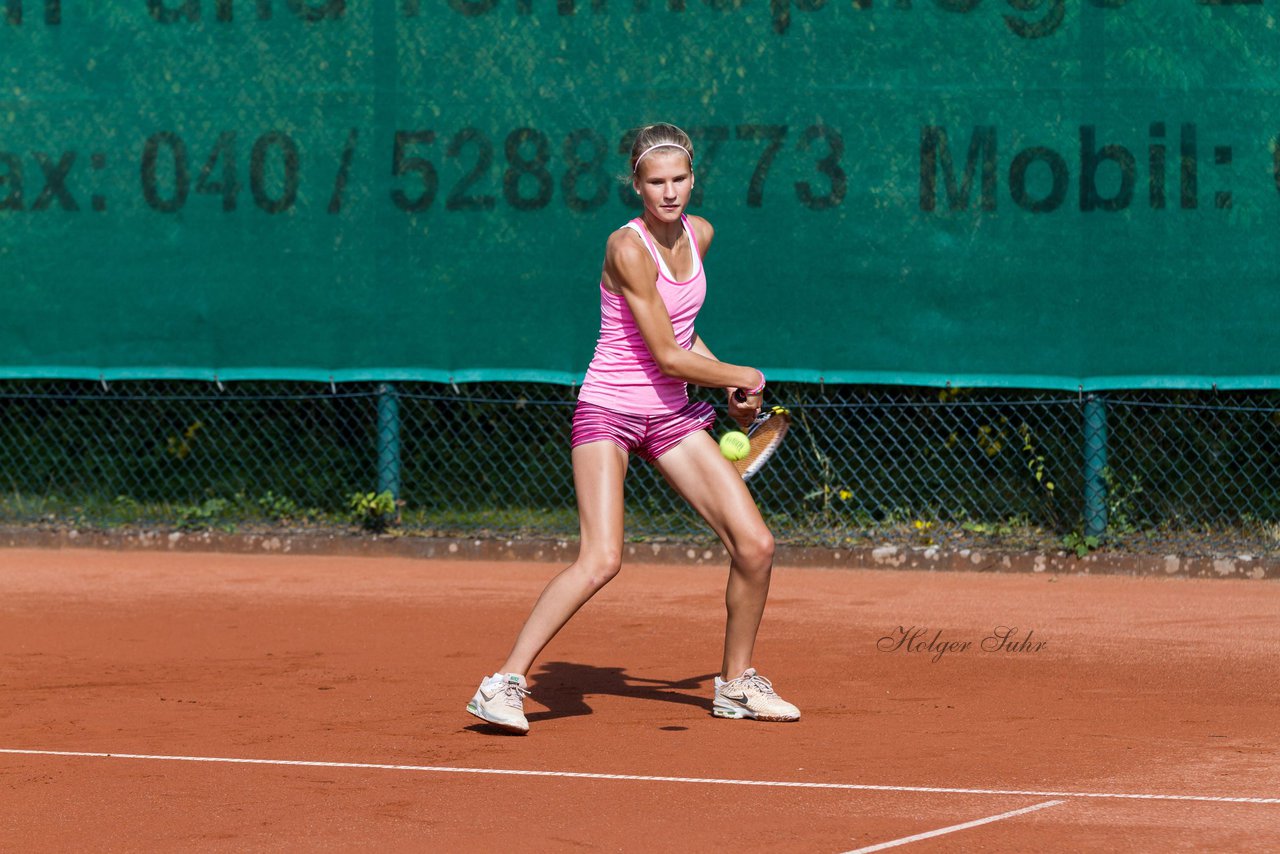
[735, 445]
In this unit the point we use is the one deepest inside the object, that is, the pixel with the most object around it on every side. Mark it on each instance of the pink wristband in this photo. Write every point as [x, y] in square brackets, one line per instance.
[759, 388]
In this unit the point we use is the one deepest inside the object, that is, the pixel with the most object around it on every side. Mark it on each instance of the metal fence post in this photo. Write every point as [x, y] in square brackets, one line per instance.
[1095, 464]
[388, 440]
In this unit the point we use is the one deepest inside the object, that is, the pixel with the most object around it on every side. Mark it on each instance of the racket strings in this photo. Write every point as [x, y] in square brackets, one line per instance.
[766, 434]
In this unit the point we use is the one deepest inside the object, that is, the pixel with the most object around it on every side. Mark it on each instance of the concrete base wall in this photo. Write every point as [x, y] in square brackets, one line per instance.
[564, 551]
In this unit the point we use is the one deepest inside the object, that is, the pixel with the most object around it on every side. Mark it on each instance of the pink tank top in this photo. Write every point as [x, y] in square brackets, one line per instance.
[623, 375]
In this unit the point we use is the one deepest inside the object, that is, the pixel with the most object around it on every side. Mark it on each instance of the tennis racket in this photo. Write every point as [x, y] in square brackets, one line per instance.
[766, 434]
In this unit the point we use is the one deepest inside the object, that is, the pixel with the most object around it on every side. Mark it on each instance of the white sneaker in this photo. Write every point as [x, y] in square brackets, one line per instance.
[751, 696]
[500, 701]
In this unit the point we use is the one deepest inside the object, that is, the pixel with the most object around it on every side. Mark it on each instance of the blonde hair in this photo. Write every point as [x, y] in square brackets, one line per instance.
[660, 135]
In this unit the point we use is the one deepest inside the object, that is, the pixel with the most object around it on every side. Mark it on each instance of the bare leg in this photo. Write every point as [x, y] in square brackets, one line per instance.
[712, 487]
[598, 472]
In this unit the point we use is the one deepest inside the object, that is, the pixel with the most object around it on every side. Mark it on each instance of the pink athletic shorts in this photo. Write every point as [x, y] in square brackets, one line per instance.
[650, 436]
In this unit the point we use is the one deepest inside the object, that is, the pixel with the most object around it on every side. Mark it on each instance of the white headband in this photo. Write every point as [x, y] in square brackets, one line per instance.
[661, 145]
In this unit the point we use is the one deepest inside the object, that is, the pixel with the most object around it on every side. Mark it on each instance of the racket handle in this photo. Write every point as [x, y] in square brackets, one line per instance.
[740, 396]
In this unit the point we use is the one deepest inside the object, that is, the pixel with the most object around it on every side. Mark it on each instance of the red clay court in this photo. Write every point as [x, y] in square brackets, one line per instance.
[165, 701]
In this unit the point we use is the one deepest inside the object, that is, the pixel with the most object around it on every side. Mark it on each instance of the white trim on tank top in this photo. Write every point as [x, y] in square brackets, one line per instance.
[657, 257]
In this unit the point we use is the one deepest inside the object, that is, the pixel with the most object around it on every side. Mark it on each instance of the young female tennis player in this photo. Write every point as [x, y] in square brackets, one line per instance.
[635, 400]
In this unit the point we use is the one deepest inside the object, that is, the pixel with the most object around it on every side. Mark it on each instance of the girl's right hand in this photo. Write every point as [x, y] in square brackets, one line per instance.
[744, 411]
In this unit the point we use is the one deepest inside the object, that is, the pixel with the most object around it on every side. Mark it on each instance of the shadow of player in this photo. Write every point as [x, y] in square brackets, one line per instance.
[563, 687]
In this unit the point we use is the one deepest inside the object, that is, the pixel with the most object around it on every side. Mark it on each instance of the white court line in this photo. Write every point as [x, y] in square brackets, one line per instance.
[952, 829]
[582, 775]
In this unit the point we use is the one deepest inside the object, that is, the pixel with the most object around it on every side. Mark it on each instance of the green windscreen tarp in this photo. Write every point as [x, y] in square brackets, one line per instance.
[1041, 193]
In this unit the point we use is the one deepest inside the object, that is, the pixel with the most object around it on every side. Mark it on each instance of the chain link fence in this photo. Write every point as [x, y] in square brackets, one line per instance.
[1193, 473]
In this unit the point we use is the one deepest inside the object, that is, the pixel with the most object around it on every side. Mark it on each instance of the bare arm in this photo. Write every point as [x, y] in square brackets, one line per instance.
[700, 347]
[742, 411]
[629, 270]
